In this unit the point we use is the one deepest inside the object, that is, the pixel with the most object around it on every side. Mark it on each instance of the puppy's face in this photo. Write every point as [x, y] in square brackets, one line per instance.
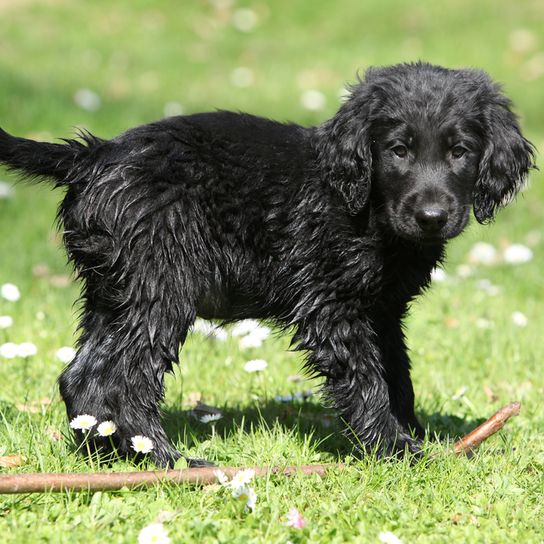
[424, 145]
[424, 175]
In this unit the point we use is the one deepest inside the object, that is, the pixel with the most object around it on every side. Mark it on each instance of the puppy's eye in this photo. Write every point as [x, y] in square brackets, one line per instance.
[457, 151]
[400, 151]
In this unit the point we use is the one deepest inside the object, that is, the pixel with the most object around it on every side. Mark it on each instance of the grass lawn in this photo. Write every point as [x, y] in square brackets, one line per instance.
[141, 59]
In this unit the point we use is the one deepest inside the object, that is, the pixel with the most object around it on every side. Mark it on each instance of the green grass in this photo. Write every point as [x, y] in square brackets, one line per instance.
[138, 55]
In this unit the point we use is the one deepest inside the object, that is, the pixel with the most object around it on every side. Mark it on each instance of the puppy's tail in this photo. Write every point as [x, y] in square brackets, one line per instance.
[42, 159]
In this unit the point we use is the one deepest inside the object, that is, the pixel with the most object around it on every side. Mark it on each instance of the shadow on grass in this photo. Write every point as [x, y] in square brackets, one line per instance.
[446, 426]
[305, 419]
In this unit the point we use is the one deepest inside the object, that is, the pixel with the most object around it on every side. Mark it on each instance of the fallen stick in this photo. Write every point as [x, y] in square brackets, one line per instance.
[113, 481]
[472, 440]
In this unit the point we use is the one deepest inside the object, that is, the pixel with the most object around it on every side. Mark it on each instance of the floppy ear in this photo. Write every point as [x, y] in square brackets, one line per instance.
[506, 159]
[343, 145]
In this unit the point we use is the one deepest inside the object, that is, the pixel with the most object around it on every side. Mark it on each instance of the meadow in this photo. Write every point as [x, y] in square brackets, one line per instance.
[474, 337]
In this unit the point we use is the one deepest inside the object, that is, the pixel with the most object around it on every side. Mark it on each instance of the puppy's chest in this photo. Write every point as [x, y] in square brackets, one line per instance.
[406, 272]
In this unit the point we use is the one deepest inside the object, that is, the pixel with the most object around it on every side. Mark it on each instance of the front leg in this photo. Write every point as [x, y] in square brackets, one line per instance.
[397, 375]
[344, 348]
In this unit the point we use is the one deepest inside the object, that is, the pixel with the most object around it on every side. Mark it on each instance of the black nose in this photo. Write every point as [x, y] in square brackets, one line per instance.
[431, 219]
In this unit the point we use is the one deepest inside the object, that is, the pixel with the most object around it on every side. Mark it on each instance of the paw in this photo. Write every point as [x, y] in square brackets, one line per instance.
[198, 463]
[399, 443]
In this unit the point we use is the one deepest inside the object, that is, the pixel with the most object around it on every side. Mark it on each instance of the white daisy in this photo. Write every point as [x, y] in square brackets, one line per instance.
[5, 321]
[245, 326]
[250, 341]
[222, 478]
[313, 100]
[247, 495]
[9, 350]
[255, 365]
[389, 538]
[482, 253]
[207, 418]
[141, 444]
[519, 319]
[26, 349]
[255, 338]
[209, 329]
[87, 100]
[242, 478]
[106, 428]
[83, 422]
[517, 254]
[65, 354]
[6, 190]
[10, 292]
[154, 533]
[438, 275]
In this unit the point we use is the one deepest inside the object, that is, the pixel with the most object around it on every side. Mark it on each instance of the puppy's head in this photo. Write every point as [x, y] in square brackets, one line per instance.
[425, 144]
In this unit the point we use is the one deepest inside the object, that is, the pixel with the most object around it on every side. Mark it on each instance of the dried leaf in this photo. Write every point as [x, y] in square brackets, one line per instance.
[11, 461]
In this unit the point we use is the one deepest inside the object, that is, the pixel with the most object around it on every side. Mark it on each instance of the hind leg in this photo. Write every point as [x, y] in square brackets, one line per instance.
[124, 352]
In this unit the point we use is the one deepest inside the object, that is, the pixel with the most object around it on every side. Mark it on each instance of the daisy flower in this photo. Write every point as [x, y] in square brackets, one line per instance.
[519, 319]
[65, 354]
[483, 253]
[313, 100]
[10, 292]
[242, 478]
[5, 321]
[26, 349]
[295, 519]
[6, 190]
[9, 350]
[389, 538]
[255, 365]
[83, 422]
[438, 275]
[222, 478]
[209, 329]
[141, 444]
[245, 326]
[106, 428]
[254, 337]
[247, 495]
[154, 533]
[517, 254]
[207, 418]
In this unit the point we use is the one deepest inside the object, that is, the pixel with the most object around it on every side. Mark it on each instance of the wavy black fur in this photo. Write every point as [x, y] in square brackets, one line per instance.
[331, 230]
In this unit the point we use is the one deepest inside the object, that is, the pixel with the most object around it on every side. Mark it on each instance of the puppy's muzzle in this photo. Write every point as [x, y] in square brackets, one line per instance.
[431, 219]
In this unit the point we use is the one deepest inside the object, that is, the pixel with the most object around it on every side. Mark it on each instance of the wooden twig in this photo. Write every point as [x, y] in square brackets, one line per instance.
[112, 481]
[472, 440]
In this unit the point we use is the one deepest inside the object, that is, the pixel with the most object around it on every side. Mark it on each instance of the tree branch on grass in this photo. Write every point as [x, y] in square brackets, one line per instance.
[112, 481]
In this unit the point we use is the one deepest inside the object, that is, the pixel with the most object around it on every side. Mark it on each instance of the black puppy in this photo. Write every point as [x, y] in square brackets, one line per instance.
[329, 230]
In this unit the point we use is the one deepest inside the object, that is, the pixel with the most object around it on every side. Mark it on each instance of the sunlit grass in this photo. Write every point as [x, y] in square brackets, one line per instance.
[138, 57]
